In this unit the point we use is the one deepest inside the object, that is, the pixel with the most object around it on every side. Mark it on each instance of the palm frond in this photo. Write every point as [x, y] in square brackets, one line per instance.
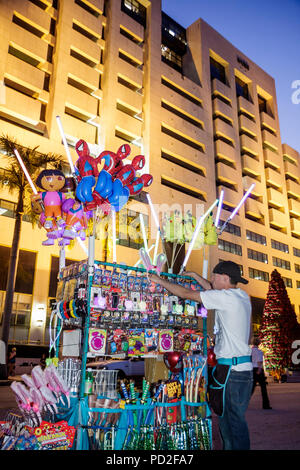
[12, 176]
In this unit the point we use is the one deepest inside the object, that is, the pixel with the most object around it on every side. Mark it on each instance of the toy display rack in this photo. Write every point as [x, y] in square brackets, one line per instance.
[134, 421]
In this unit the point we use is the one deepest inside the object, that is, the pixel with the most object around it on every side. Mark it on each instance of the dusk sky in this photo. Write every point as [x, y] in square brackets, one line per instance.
[268, 32]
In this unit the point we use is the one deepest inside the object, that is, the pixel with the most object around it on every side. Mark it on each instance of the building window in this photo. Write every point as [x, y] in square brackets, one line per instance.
[131, 36]
[256, 237]
[297, 268]
[257, 255]
[258, 275]
[296, 252]
[134, 9]
[262, 104]
[173, 35]
[88, 8]
[280, 246]
[130, 60]
[182, 138]
[173, 30]
[25, 270]
[185, 94]
[20, 316]
[241, 88]
[131, 86]
[231, 228]
[287, 282]
[230, 247]
[281, 263]
[178, 112]
[298, 284]
[171, 58]
[217, 70]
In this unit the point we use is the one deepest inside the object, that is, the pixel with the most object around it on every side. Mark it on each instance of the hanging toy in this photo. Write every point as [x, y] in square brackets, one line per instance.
[52, 181]
[145, 258]
[76, 220]
[211, 357]
[53, 233]
[113, 164]
[120, 192]
[173, 361]
[56, 383]
[87, 171]
[138, 183]
[210, 231]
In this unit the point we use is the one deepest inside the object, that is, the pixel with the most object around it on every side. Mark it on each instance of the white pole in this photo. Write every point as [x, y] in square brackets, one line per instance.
[114, 235]
[25, 171]
[219, 209]
[237, 207]
[65, 144]
[195, 235]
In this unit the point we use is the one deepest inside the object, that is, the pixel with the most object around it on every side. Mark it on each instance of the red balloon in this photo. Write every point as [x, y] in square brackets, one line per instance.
[173, 361]
[211, 357]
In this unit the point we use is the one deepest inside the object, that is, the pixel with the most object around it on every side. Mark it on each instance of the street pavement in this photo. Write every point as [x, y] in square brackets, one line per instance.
[276, 429]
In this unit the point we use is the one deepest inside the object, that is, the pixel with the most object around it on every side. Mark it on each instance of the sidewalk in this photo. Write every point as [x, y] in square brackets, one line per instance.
[276, 429]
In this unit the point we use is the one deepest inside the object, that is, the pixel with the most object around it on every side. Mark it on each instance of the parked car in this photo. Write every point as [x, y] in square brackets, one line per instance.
[127, 367]
[24, 365]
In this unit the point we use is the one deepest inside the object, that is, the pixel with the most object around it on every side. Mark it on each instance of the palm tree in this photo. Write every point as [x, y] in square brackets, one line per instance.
[12, 177]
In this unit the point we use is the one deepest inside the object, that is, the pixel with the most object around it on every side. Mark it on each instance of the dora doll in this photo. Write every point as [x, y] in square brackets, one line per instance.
[52, 182]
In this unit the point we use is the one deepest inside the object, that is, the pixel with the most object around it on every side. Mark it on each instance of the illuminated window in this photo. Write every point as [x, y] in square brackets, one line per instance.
[257, 255]
[256, 237]
[231, 228]
[171, 58]
[280, 246]
[258, 275]
[233, 248]
[281, 263]
[134, 9]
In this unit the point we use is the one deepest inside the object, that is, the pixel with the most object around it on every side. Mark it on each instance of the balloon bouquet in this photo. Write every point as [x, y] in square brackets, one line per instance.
[65, 205]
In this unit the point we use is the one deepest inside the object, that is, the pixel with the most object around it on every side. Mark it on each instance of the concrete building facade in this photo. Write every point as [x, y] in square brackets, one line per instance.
[204, 115]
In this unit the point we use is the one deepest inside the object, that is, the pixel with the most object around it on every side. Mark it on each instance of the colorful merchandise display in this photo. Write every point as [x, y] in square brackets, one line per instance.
[108, 309]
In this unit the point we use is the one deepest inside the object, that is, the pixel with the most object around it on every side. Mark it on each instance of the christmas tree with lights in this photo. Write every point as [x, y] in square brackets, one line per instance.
[279, 327]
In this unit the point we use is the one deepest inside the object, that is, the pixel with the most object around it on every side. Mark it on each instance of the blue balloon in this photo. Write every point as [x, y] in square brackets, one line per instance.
[120, 198]
[117, 190]
[84, 189]
[104, 184]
